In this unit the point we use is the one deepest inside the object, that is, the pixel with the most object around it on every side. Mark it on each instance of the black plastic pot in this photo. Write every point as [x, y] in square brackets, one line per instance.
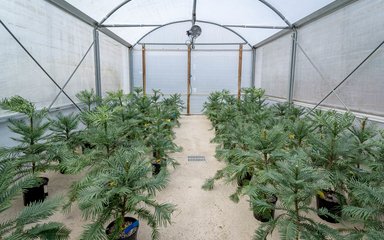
[156, 167]
[36, 194]
[242, 181]
[333, 202]
[86, 145]
[268, 215]
[131, 234]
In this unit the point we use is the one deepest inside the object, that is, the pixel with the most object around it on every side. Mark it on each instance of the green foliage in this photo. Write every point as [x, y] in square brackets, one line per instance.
[122, 187]
[88, 98]
[294, 182]
[65, 128]
[124, 134]
[331, 147]
[254, 139]
[28, 223]
[367, 210]
[31, 133]
[364, 143]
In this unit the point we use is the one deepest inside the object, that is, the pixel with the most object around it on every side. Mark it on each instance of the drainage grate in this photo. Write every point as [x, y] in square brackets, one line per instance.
[196, 158]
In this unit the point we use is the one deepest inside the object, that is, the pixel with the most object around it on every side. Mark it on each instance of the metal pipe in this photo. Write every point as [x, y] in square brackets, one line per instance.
[144, 69]
[158, 25]
[128, 25]
[97, 62]
[130, 59]
[184, 44]
[253, 79]
[239, 71]
[292, 66]
[194, 12]
[195, 50]
[189, 81]
[277, 12]
[227, 28]
[113, 11]
[37, 63]
[70, 77]
[183, 21]
[347, 77]
[254, 26]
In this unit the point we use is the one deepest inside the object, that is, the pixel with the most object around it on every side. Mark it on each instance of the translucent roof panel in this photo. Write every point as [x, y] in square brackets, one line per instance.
[222, 12]
[244, 12]
[152, 12]
[96, 9]
[295, 10]
[175, 33]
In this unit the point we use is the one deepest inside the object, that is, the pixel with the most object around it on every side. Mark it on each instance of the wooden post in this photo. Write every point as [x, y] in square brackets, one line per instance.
[189, 82]
[144, 69]
[240, 69]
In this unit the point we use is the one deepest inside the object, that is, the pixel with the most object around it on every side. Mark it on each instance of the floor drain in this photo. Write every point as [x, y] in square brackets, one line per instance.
[196, 158]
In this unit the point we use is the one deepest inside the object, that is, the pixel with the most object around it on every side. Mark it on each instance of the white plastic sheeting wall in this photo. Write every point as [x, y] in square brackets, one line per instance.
[114, 65]
[55, 39]
[58, 42]
[335, 44]
[213, 67]
[211, 70]
[273, 67]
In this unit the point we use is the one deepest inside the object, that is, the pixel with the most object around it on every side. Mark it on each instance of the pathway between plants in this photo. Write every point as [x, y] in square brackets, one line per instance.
[201, 215]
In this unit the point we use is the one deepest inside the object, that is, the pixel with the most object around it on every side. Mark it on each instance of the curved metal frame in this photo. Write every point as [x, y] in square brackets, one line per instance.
[271, 7]
[113, 11]
[184, 21]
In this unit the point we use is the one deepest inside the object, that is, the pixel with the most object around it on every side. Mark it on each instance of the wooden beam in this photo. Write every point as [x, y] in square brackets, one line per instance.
[144, 69]
[240, 69]
[189, 81]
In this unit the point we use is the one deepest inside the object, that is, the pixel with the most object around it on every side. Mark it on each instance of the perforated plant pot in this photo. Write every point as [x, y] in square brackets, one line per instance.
[37, 193]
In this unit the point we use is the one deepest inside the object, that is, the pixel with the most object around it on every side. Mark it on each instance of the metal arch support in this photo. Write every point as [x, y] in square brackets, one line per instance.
[292, 66]
[227, 28]
[183, 21]
[161, 26]
[113, 11]
[270, 6]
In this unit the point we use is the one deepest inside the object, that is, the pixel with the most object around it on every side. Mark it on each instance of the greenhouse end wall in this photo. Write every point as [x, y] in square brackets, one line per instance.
[328, 50]
[211, 70]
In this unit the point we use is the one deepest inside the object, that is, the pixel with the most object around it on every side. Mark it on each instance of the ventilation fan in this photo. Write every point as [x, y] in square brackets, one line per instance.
[194, 32]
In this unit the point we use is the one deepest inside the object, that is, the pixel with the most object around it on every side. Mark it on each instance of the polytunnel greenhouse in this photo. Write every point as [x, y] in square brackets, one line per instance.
[191, 119]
